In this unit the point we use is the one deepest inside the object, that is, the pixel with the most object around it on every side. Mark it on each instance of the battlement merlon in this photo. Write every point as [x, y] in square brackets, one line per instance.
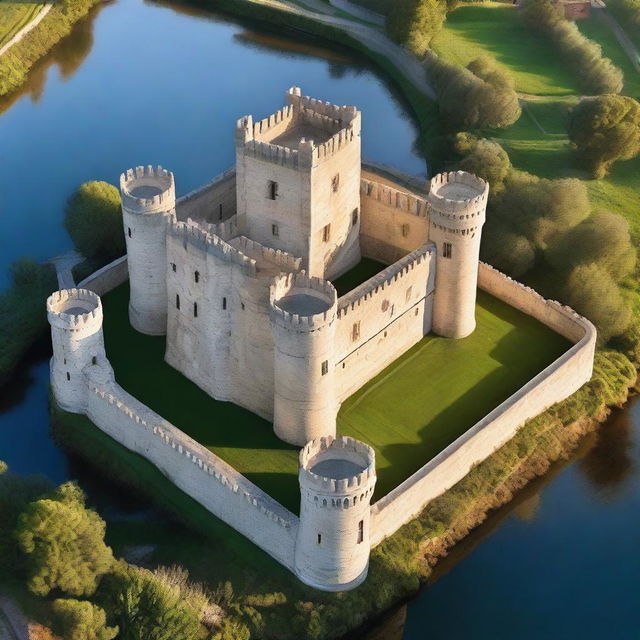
[74, 309]
[395, 198]
[458, 200]
[148, 190]
[301, 302]
[347, 114]
[352, 453]
[263, 254]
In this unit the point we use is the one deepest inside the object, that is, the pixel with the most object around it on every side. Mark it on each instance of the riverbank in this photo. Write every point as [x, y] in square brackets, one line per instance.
[32, 45]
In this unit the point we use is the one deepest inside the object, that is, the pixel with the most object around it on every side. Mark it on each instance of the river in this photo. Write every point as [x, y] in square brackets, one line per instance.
[147, 83]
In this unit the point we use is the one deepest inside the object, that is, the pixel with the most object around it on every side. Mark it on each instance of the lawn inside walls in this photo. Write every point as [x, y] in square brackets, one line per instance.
[408, 413]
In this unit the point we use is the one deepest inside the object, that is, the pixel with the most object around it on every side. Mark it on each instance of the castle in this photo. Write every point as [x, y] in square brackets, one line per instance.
[238, 276]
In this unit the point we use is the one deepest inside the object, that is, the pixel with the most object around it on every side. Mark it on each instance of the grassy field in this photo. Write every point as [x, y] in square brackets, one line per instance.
[495, 29]
[441, 396]
[14, 16]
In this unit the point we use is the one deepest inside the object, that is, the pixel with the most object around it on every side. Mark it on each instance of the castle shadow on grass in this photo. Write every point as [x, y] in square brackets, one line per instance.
[408, 413]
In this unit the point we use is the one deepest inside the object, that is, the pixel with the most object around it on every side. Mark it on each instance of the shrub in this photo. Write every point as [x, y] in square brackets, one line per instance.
[93, 218]
[484, 158]
[78, 620]
[507, 251]
[605, 129]
[414, 23]
[64, 543]
[596, 73]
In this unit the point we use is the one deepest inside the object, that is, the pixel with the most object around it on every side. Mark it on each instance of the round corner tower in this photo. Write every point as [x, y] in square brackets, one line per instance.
[303, 321]
[337, 478]
[148, 204]
[457, 207]
[75, 316]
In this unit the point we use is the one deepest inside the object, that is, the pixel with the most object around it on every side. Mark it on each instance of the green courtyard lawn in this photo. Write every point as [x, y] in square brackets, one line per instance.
[495, 29]
[409, 413]
[14, 16]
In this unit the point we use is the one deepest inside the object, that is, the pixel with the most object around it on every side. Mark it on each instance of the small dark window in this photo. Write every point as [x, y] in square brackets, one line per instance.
[360, 531]
[274, 230]
[173, 267]
[355, 332]
[224, 303]
[177, 301]
[447, 249]
[196, 276]
[319, 538]
[195, 309]
[273, 190]
[65, 361]
[242, 305]
[68, 376]
[220, 211]
[94, 360]
[417, 310]
[129, 231]
[335, 183]
[405, 230]
[325, 368]
[326, 233]
[354, 217]
[407, 295]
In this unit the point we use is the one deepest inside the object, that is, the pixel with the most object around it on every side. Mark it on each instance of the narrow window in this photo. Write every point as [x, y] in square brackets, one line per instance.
[360, 531]
[242, 305]
[273, 190]
[335, 183]
[355, 332]
[446, 250]
[354, 217]
[325, 368]
[173, 267]
[177, 301]
[195, 309]
[407, 295]
[94, 360]
[224, 303]
[417, 310]
[220, 211]
[196, 276]
[129, 231]
[319, 538]
[65, 361]
[405, 230]
[68, 376]
[326, 233]
[274, 230]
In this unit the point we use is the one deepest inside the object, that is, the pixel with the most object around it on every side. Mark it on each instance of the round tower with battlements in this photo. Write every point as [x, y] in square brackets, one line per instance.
[303, 320]
[457, 205]
[75, 316]
[148, 204]
[337, 478]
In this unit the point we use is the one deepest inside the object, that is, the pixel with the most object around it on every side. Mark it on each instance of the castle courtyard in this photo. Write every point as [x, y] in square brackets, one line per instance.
[408, 413]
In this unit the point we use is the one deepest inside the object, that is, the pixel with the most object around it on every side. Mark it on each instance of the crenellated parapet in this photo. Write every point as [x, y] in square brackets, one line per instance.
[394, 198]
[347, 114]
[77, 310]
[261, 254]
[147, 189]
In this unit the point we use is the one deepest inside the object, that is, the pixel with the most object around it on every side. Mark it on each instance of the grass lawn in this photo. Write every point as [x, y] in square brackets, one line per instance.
[442, 396]
[495, 29]
[14, 16]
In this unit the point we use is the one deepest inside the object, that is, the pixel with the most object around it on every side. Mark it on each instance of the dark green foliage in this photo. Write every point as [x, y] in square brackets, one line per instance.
[602, 239]
[592, 292]
[484, 158]
[630, 9]
[605, 129]
[596, 73]
[93, 218]
[23, 314]
[508, 251]
[232, 629]
[81, 620]
[145, 608]
[482, 95]
[64, 543]
[414, 23]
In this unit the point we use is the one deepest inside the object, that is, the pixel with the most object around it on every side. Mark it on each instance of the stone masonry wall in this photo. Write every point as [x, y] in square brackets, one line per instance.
[194, 469]
[558, 381]
[109, 277]
[213, 202]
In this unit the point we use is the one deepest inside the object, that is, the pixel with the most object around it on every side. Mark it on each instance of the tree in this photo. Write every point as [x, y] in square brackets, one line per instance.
[605, 129]
[93, 218]
[81, 620]
[414, 23]
[602, 239]
[592, 292]
[507, 251]
[64, 543]
[485, 159]
[146, 608]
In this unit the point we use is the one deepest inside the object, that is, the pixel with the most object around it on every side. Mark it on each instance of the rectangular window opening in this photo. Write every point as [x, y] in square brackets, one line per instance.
[335, 183]
[405, 230]
[68, 376]
[360, 531]
[177, 301]
[196, 276]
[447, 250]
[355, 331]
[129, 231]
[407, 295]
[354, 217]
[274, 230]
[94, 360]
[224, 303]
[173, 267]
[195, 309]
[325, 368]
[326, 233]
[319, 538]
[273, 190]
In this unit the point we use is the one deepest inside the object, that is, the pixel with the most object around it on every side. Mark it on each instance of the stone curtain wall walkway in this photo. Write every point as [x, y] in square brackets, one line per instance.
[23, 32]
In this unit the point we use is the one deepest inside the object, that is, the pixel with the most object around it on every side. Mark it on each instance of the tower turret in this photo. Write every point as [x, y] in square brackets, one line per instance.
[457, 205]
[148, 204]
[75, 316]
[303, 321]
[337, 478]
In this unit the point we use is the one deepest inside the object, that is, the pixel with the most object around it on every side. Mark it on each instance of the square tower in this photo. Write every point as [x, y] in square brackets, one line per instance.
[298, 182]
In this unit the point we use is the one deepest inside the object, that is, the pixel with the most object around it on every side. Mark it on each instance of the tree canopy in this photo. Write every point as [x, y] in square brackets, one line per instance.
[81, 620]
[414, 23]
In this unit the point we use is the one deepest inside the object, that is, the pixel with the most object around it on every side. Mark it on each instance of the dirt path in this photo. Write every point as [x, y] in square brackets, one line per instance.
[625, 42]
[27, 27]
[13, 624]
[63, 265]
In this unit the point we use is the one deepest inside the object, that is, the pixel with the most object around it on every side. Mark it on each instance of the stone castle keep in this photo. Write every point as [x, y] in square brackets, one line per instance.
[238, 276]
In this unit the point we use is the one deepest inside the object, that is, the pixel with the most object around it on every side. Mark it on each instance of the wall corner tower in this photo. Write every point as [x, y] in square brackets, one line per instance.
[148, 204]
[337, 479]
[457, 205]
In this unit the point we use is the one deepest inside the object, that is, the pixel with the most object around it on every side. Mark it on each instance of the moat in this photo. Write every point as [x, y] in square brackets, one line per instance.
[562, 560]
